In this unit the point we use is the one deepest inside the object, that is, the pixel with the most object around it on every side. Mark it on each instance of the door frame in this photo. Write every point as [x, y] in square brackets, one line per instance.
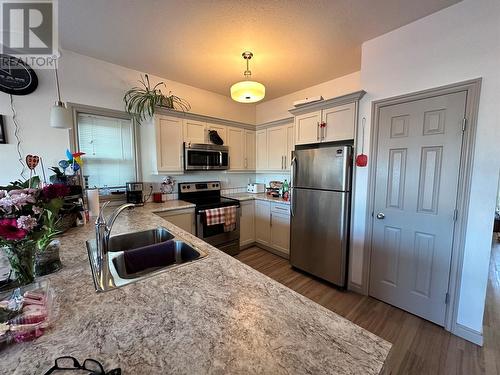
[473, 89]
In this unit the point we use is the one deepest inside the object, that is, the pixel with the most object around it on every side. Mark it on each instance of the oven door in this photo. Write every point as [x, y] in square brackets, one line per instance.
[214, 234]
[199, 159]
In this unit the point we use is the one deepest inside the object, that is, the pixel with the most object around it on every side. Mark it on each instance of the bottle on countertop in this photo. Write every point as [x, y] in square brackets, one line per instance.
[286, 189]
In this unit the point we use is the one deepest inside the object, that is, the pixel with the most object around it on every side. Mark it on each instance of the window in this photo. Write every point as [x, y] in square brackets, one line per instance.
[109, 146]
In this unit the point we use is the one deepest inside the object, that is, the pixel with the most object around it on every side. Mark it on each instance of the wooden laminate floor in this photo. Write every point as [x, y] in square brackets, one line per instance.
[419, 347]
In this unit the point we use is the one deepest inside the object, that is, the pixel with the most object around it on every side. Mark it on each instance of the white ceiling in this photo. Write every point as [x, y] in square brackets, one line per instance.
[296, 43]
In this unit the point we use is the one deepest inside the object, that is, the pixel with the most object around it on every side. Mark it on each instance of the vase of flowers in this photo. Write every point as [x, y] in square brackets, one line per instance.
[28, 223]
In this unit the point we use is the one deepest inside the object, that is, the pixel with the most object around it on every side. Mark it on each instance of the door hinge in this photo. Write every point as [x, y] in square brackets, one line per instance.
[455, 214]
[464, 124]
[447, 298]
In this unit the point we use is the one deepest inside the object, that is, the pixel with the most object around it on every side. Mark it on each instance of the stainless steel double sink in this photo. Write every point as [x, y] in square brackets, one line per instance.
[147, 259]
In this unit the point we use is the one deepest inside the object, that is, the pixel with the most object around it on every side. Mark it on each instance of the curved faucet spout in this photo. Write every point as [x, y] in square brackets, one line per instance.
[114, 215]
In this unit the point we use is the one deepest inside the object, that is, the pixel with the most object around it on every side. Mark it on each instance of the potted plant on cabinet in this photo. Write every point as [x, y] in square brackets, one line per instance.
[141, 101]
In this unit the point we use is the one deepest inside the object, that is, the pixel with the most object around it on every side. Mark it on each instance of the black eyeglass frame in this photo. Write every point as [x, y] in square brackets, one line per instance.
[78, 366]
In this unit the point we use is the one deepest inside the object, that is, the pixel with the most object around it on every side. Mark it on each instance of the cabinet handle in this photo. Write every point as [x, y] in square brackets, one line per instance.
[271, 219]
[317, 132]
[284, 163]
[324, 130]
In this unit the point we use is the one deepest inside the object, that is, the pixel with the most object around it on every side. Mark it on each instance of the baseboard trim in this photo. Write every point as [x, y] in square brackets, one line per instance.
[267, 248]
[468, 334]
[355, 288]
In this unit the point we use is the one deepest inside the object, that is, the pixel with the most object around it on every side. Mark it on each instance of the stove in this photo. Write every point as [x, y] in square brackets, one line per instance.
[207, 195]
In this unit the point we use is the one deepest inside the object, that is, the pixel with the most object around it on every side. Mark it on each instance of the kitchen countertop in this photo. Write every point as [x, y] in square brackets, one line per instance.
[259, 197]
[212, 316]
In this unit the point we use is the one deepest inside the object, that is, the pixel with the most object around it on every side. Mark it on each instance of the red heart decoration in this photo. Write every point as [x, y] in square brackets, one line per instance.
[32, 161]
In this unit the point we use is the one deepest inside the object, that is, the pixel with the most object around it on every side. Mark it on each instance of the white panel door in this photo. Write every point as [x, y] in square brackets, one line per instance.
[194, 131]
[307, 128]
[250, 150]
[339, 123]
[261, 150]
[236, 143]
[247, 223]
[276, 148]
[418, 158]
[263, 222]
[220, 129]
[168, 144]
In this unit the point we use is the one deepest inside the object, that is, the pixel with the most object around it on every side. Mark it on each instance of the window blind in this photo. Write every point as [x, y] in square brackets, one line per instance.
[110, 150]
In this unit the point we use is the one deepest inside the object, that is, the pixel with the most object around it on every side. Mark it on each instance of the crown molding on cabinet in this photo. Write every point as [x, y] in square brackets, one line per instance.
[198, 117]
[333, 102]
[270, 124]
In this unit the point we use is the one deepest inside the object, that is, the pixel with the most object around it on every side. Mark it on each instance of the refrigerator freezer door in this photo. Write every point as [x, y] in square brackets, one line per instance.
[325, 168]
[319, 233]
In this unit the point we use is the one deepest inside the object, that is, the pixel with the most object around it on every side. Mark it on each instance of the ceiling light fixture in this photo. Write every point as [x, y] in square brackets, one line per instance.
[248, 91]
[61, 117]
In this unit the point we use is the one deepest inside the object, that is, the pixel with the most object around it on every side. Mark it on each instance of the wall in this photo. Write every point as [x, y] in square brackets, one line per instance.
[85, 80]
[458, 43]
[277, 109]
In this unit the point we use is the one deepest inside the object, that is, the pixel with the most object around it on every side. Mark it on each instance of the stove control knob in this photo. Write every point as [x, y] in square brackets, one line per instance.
[189, 186]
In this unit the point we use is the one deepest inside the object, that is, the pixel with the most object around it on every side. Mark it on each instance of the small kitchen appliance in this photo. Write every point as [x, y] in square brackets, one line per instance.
[134, 193]
[256, 188]
[206, 196]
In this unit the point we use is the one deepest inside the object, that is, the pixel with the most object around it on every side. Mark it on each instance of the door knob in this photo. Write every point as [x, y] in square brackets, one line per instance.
[380, 216]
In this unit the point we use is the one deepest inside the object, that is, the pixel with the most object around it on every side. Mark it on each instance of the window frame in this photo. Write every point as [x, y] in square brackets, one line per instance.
[77, 109]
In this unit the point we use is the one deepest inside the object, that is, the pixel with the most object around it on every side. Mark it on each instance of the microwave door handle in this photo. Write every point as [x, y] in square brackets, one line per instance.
[220, 158]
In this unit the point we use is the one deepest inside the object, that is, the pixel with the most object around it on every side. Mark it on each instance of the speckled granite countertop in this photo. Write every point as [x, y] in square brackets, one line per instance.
[259, 197]
[214, 316]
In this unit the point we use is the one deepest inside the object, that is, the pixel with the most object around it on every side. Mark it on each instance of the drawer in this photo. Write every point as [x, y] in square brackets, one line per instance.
[280, 208]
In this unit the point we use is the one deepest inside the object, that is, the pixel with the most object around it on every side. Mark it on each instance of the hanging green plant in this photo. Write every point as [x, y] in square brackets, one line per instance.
[141, 101]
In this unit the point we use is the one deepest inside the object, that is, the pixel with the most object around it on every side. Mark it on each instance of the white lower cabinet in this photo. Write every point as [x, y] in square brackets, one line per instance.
[272, 225]
[184, 219]
[263, 222]
[247, 223]
[280, 227]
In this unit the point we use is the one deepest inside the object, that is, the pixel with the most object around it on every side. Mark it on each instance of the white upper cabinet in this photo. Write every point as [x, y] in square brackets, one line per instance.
[194, 131]
[236, 143]
[261, 150]
[250, 150]
[307, 128]
[276, 148]
[220, 129]
[168, 144]
[290, 145]
[338, 123]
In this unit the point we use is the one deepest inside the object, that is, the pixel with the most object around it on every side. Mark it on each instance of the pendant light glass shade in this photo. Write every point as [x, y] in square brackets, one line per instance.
[61, 117]
[248, 91]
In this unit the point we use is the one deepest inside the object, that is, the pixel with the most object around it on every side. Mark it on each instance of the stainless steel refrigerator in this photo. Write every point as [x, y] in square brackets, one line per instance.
[320, 210]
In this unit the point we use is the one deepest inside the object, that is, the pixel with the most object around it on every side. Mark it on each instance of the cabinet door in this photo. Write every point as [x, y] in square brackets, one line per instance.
[194, 131]
[184, 219]
[339, 123]
[261, 150]
[307, 128]
[280, 232]
[250, 150]
[247, 223]
[220, 129]
[276, 148]
[263, 222]
[290, 145]
[168, 144]
[235, 141]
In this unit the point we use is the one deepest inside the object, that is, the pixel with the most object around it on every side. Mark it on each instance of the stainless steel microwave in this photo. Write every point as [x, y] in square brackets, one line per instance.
[202, 157]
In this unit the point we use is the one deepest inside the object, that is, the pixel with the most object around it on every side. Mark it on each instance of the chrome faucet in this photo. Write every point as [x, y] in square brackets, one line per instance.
[100, 266]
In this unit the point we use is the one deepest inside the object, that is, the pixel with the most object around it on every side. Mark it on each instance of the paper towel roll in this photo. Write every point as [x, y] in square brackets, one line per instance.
[93, 202]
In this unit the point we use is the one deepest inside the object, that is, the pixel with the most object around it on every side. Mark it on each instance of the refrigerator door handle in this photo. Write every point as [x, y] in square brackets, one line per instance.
[293, 165]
